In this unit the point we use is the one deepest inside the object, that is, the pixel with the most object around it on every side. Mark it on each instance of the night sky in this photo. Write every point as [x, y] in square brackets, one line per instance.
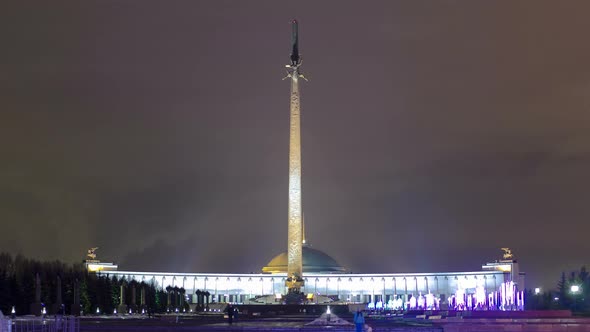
[433, 133]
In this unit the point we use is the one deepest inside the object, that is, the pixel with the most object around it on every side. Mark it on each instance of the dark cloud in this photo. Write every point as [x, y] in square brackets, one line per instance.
[433, 133]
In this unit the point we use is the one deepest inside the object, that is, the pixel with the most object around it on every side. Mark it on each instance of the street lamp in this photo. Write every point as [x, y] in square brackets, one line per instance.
[536, 298]
[575, 289]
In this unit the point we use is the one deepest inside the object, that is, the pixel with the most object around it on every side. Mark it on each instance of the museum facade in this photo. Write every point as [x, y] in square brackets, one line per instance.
[498, 281]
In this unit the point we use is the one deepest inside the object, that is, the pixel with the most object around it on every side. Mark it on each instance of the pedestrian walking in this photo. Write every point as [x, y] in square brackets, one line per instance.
[235, 314]
[230, 313]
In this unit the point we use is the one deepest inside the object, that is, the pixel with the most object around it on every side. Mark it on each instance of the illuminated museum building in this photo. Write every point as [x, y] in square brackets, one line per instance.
[326, 282]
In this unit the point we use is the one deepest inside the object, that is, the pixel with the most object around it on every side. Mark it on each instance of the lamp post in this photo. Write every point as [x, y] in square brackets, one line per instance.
[575, 289]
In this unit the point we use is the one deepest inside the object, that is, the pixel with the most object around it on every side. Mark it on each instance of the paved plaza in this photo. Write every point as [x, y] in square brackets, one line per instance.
[302, 323]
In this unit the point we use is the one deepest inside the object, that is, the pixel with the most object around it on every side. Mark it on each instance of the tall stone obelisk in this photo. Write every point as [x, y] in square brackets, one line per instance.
[295, 238]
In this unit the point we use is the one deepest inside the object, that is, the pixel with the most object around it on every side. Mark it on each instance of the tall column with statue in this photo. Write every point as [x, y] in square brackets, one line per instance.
[122, 308]
[294, 280]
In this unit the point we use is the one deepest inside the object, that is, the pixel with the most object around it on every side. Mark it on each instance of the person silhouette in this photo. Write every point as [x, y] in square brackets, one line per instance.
[230, 313]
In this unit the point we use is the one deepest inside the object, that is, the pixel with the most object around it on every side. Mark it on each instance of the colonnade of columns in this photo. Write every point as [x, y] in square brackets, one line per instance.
[132, 307]
[345, 287]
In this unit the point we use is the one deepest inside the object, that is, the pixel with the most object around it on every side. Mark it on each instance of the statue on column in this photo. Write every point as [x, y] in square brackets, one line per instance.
[37, 307]
[142, 297]
[133, 295]
[168, 295]
[58, 305]
[199, 300]
[122, 308]
[75, 308]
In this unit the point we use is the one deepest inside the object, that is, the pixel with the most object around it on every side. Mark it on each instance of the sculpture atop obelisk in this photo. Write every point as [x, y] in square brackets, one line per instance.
[295, 238]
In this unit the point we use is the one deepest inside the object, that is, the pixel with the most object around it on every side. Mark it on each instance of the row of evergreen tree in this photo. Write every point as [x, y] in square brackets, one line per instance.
[563, 297]
[17, 288]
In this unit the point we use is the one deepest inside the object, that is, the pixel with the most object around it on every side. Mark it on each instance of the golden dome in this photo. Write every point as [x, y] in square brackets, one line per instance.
[314, 261]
